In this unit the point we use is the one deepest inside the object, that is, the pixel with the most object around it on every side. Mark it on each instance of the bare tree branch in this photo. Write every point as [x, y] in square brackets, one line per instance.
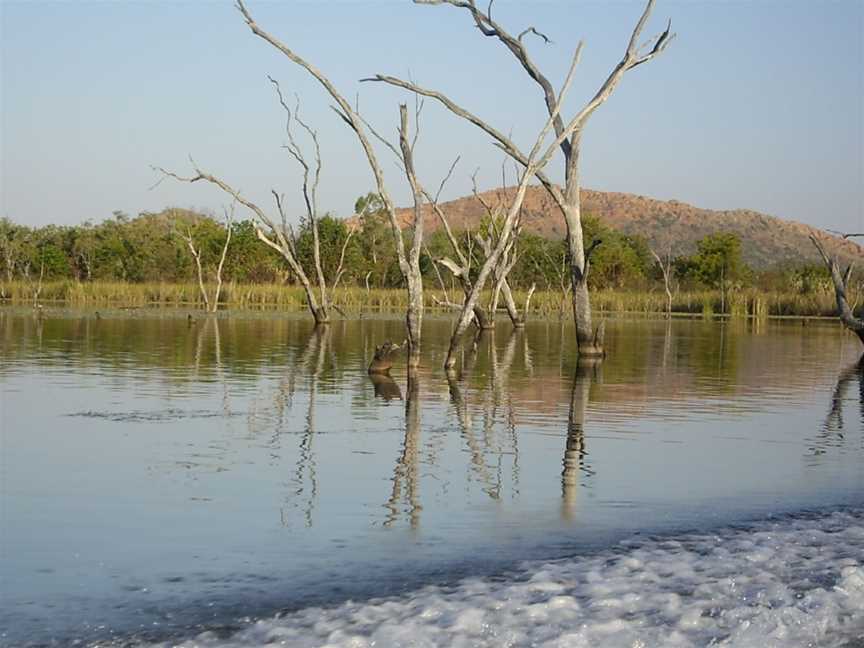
[666, 269]
[505, 142]
[446, 178]
[844, 235]
[196, 255]
[349, 116]
[531, 30]
[568, 201]
[455, 269]
[281, 244]
[392, 147]
[847, 316]
[340, 269]
[437, 273]
[408, 266]
[491, 28]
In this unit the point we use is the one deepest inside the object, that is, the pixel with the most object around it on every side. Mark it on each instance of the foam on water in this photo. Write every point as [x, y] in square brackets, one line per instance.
[792, 582]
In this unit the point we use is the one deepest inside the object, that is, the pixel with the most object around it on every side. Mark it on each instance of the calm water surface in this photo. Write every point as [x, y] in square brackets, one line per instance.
[162, 479]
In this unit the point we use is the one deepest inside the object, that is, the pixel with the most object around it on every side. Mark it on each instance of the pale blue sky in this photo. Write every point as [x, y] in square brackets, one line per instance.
[755, 104]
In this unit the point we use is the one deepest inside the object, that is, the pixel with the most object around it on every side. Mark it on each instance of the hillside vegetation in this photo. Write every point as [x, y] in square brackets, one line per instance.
[718, 262]
[766, 241]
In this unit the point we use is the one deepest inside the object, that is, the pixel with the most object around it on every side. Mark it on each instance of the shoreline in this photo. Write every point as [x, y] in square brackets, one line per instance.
[548, 305]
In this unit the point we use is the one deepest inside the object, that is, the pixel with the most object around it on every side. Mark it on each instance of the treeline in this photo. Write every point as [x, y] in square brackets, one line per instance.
[151, 248]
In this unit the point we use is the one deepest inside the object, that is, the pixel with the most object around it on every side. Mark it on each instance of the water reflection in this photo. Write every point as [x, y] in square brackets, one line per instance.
[211, 327]
[405, 496]
[588, 372]
[485, 413]
[385, 386]
[834, 429]
[305, 478]
[243, 447]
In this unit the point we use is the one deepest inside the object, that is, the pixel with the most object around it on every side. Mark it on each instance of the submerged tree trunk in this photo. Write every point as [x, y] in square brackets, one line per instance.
[590, 341]
[581, 300]
[510, 304]
[38, 289]
[413, 276]
[516, 318]
[501, 270]
[382, 360]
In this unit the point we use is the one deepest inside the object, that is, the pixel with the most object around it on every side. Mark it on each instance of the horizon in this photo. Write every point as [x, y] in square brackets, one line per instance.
[703, 124]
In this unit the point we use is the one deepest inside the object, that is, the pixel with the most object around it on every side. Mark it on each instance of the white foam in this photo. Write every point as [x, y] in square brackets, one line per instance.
[796, 582]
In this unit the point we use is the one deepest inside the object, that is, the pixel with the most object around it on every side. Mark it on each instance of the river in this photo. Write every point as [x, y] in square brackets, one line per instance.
[241, 480]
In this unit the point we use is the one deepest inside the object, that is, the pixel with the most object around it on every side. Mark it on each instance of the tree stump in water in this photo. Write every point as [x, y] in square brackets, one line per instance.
[382, 361]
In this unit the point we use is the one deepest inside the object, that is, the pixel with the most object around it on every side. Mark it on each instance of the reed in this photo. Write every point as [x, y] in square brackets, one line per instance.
[751, 302]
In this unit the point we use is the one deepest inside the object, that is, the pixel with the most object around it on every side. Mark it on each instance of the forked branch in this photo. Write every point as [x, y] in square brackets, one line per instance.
[666, 268]
[351, 118]
[280, 241]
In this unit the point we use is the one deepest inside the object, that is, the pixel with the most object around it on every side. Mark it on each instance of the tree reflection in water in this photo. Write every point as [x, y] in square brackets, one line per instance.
[492, 395]
[587, 373]
[211, 323]
[405, 495]
[479, 411]
[834, 429]
[304, 480]
[460, 443]
[385, 387]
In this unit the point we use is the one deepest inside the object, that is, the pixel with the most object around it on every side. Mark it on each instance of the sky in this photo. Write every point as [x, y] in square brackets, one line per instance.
[755, 104]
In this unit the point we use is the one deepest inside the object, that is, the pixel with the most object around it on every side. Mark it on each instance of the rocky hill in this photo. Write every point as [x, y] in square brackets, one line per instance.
[766, 240]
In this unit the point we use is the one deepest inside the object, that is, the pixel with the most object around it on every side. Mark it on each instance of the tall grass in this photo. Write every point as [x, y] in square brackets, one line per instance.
[740, 303]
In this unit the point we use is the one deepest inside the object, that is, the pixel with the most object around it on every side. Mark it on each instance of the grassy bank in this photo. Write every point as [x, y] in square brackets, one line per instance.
[742, 303]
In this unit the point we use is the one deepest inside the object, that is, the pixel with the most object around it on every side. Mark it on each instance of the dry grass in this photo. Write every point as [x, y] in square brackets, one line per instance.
[741, 303]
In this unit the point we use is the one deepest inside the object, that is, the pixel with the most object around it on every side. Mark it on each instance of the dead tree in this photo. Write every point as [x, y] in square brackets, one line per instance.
[840, 280]
[281, 236]
[382, 360]
[567, 200]
[409, 261]
[460, 269]
[9, 247]
[484, 243]
[311, 180]
[484, 315]
[666, 269]
[501, 271]
[534, 163]
[405, 156]
[188, 237]
[38, 290]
